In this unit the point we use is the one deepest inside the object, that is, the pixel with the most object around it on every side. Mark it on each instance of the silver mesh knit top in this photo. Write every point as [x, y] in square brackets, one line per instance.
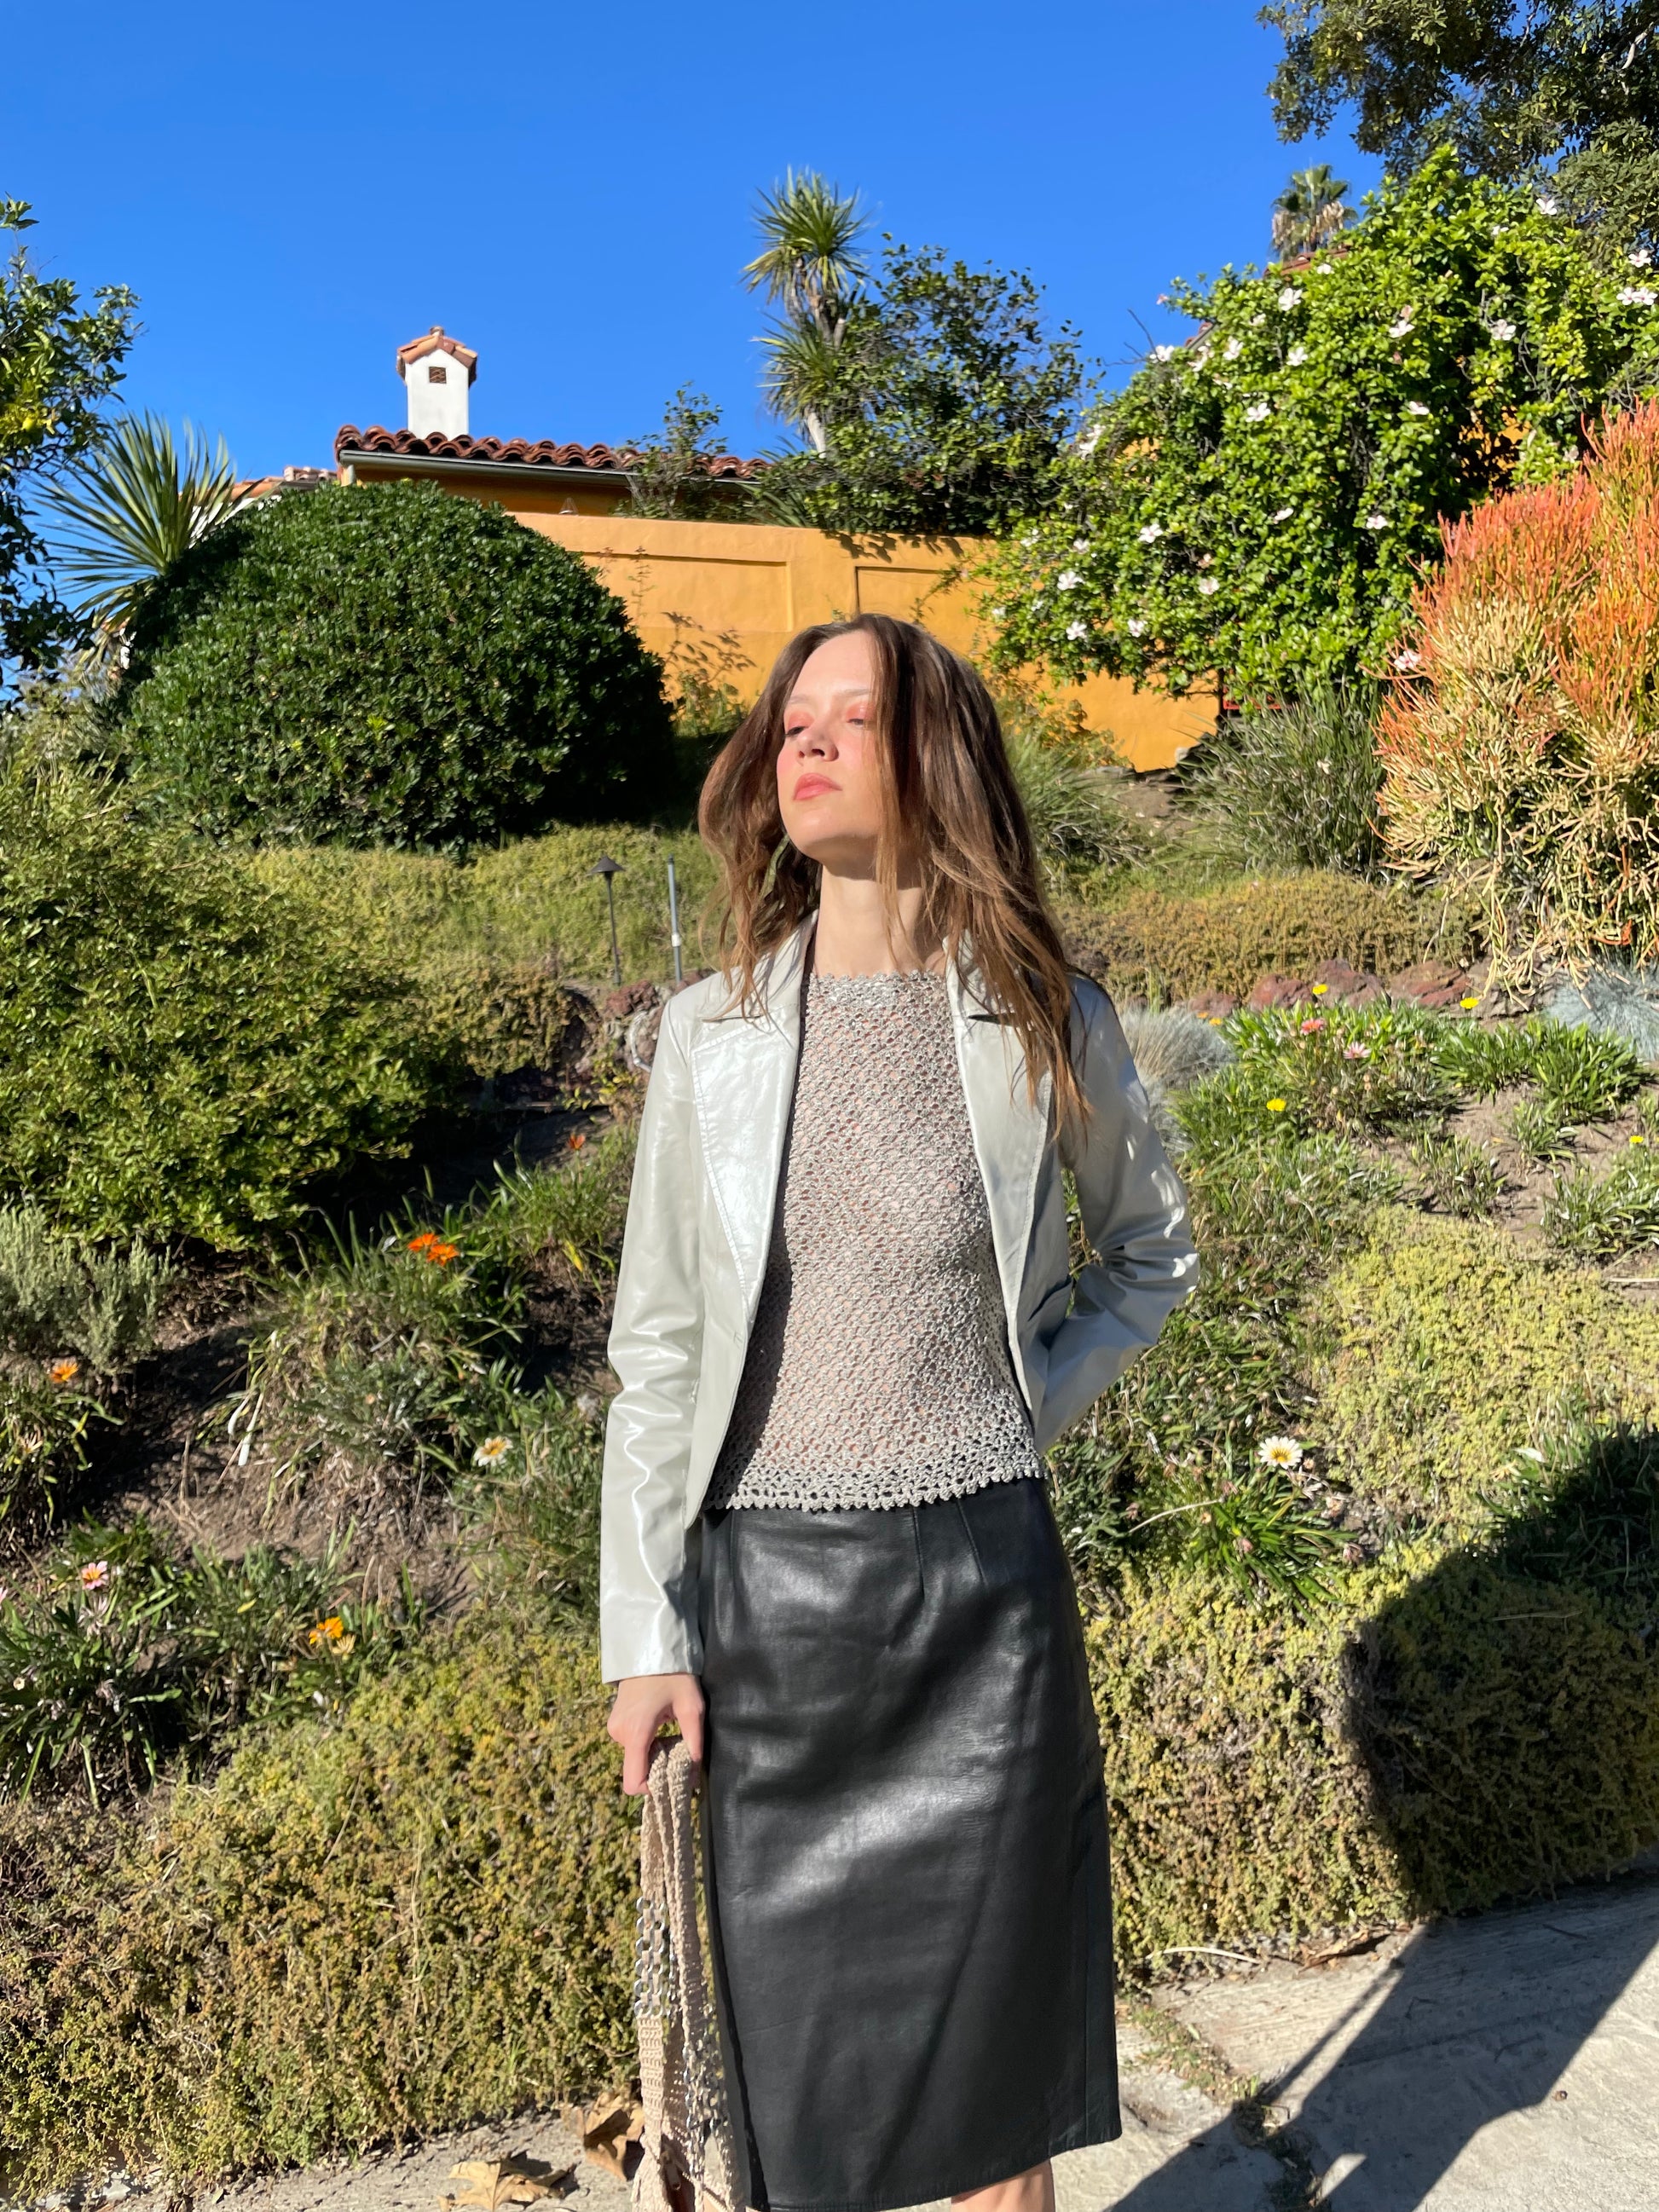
[878, 1372]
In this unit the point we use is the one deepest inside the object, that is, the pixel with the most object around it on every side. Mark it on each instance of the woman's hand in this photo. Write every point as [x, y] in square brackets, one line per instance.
[643, 1702]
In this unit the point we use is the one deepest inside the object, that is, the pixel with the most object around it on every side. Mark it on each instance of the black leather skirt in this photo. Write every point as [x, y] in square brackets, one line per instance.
[905, 1850]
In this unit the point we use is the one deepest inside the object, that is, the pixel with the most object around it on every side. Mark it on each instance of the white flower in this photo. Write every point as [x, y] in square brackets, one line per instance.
[1076, 632]
[998, 613]
[1089, 440]
[1256, 321]
[1503, 332]
[1163, 299]
[1415, 407]
[1405, 661]
[1296, 356]
[1029, 538]
[1258, 413]
[1201, 358]
[1137, 628]
[1208, 587]
[1377, 522]
[1080, 545]
[1280, 1451]
[1289, 298]
[1640, 258]
[1151, 533]
[1402, 326]
[1548, 204]
[490, 1451]
[1164, 353]
[1067, 580]
[1637, 295]
[1206, 560]
[1285, 514]
[1232, 350]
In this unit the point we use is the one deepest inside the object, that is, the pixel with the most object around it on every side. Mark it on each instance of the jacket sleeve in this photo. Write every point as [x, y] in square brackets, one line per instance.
[648, 1562]
[1134, 1212]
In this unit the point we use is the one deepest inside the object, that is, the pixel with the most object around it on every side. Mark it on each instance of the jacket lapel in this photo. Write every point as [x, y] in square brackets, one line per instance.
[743, 1077]
[1011, 1134]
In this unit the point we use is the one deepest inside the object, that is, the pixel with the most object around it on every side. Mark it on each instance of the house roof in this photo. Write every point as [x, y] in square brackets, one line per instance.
[436, 342]
[351, 443]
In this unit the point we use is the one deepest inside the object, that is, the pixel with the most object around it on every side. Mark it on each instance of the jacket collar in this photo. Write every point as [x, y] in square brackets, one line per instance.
[742, 1069]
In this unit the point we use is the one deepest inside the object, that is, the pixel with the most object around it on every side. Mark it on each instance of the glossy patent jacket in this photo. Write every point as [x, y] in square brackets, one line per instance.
[699, 1227]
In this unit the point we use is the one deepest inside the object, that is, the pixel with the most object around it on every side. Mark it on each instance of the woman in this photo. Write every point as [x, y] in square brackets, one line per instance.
[845, 1329]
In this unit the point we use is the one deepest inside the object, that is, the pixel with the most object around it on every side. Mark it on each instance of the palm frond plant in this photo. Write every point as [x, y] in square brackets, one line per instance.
[1309, 211]
[133, 509]
[813, 268]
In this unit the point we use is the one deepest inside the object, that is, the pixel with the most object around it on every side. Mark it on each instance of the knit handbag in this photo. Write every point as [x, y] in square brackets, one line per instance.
[690, 2159]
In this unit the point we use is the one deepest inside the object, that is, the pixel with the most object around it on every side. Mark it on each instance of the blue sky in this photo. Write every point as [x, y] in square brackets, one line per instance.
[294, 191]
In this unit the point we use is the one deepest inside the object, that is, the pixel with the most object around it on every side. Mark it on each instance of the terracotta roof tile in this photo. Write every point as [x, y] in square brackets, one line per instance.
[519, 452]
[436, 341]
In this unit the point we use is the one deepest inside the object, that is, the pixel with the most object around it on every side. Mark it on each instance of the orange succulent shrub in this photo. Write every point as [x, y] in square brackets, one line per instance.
[1520, 745]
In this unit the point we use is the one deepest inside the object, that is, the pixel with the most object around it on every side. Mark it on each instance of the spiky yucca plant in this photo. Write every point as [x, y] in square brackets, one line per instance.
[133, 509]
[1521, 746]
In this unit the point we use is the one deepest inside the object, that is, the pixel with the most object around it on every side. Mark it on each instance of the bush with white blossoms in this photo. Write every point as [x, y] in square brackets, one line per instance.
[1260, 501]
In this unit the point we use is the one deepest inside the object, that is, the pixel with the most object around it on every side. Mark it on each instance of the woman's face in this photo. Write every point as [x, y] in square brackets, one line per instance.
[828, 790]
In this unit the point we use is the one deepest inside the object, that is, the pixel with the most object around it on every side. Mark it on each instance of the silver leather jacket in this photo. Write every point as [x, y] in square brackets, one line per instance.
[700, 1226]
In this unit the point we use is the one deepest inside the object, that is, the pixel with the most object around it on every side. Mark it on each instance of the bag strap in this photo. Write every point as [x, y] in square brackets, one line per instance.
[690, 2161]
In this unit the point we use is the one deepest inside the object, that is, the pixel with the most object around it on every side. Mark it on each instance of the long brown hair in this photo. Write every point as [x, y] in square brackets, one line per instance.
[948, 799]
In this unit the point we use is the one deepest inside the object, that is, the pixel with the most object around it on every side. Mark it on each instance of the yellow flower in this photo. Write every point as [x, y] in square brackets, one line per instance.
[1320, 989]
[1275, 1105]
[1468, 1004]
[62, 1371]
[1637, 1138]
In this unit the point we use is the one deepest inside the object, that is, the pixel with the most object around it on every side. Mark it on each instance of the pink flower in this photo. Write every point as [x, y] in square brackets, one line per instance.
[1313, 1022]
[1356, 1051]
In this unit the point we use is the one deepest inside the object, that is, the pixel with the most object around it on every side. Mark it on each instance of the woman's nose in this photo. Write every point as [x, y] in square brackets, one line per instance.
[814, 739]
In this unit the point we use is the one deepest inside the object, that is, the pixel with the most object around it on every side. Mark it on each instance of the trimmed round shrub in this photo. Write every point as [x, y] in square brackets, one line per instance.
[182, 1050]
[388, 665]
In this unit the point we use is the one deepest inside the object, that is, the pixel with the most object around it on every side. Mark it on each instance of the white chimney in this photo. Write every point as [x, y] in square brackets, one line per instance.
[439, 372]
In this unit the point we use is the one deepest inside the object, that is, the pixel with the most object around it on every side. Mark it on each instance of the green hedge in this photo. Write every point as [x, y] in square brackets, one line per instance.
[1180, 943]
[182, 1051]
[390, 664]
[421, 1918]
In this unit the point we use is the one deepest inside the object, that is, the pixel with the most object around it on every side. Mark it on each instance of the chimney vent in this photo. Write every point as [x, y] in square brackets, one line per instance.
[438, 372]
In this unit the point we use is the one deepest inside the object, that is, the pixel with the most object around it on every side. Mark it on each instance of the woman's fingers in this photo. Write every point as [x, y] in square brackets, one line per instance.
[641, 1705]
[637, 1760]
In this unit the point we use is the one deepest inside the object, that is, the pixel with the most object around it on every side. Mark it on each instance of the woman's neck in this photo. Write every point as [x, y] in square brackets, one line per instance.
[853, 934]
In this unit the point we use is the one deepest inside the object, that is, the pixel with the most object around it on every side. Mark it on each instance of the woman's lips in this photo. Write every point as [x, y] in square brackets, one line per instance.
[810, 786]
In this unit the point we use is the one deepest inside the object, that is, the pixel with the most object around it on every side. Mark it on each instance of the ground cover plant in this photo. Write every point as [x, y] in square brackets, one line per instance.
[508, 690]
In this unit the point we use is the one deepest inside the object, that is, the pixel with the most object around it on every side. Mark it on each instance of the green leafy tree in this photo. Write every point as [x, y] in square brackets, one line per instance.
[388, 665]
[133, 509]
[670, 471]
[943, 406]
[1260, 500]
[58, 360]
[1556, 87]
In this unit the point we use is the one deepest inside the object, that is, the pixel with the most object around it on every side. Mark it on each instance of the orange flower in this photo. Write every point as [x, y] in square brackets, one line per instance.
[576, 1140]
[424, 1242]
[440, 1255]
[327, 1631]
[62, 1371]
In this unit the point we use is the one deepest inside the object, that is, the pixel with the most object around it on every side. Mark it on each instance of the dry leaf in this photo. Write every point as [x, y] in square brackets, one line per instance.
[494, 2183]
[606, 2129]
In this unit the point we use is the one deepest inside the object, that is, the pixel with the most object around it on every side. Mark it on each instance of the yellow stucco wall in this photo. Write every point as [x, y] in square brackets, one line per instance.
[729, 596]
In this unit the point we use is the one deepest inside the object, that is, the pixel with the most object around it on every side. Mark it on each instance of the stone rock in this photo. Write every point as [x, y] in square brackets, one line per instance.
[1210, 1002]
[1276, 991]
[617, 1006]
[1430, 983]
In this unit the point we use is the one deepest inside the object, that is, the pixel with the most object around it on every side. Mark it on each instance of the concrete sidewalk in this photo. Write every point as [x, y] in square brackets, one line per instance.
[1506, 2062]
